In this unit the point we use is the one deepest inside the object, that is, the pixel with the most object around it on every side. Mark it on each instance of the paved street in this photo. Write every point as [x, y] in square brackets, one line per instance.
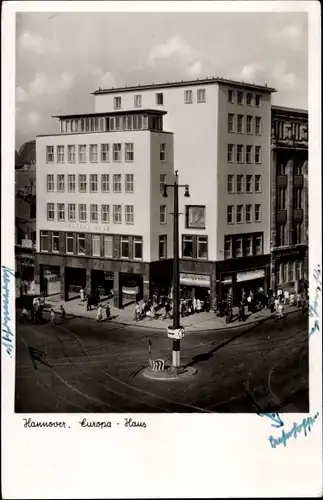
[94, 367]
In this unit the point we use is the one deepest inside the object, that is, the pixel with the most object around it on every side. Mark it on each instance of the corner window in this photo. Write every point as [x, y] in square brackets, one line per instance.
[201, 95]
[230, 214]
[160, 99]
[231, 96]
[187, 246]
[195, 217]
[202, 247]
[163, 246]
[162, 153]
[129, 152]
[49, 154]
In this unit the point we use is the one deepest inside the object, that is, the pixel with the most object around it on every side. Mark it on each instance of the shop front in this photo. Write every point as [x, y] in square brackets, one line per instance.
[195, 286]
[131, 288]
[289, 269]
[102, 282]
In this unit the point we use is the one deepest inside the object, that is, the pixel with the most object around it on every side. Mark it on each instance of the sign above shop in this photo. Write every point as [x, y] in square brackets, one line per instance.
[251, 275]
[108, 275]
[190, 279]
[89, 227]
[227, 280]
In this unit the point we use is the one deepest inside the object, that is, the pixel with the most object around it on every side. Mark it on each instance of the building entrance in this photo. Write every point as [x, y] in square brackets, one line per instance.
[75, 279]
[131, 286]
[102, 282]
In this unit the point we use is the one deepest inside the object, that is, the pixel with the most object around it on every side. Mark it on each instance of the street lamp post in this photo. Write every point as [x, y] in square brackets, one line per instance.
[176, 330]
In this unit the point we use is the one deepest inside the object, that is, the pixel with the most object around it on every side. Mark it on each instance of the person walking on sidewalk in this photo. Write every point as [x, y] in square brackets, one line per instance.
[194, 305]
[249, 300]
[242, 315]
[280, 310]
[167, 310]
[286, 297]
[298, 299]
[108, 311]
[137, 312]
[82, 295]
[276, 304]
[198, 305]
[52, 317]
[99, 314]
[63, 313]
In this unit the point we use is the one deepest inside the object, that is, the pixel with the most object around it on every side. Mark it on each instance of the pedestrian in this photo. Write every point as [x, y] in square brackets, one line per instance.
[298, 299]
[25, 288]
[286, 297]
[167, 310]
[207, 306]
[52, 317]
[137, 311]
[242, 315]
[108, 311]
[215, 304]
[63, 313]
[152, 312]
[276, 304]
[280, 294]
[249, 299]
[88, 304]
[24, 315]
[99, 314]
[281, 310]
[82, 294]
[194, 304]
[198, 305]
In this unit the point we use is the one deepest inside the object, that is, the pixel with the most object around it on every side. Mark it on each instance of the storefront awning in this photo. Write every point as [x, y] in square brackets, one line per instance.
[190, 279]
[130, 291]
[251, 275]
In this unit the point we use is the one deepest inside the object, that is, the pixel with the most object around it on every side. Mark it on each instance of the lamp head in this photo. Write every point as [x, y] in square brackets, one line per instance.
[187, 193]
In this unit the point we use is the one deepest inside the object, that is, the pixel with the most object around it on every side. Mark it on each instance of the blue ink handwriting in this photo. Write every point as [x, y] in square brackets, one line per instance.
[305, 425]
[7, 275]
[314, 310]
[275, 418]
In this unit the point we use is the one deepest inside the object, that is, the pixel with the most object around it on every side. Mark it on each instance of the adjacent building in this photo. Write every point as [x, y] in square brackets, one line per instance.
[102, 222]
[289, 230]
[222, 150]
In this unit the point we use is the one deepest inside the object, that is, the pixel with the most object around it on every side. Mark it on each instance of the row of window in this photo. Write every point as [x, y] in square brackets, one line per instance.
[289, 272]
[244, 124]
[244, 98]
[244, 213]
[188, 98]
[281, 234]
[76, 245]
[297, 198]
[97, 213]
[92, 152]
[245, 154]
[111, 123]
[94, 180]
[244, 183]
[289, 130]
[243, 245]
[297, 168]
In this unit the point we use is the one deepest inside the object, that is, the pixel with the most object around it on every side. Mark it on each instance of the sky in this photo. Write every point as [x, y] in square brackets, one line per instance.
[62, 57]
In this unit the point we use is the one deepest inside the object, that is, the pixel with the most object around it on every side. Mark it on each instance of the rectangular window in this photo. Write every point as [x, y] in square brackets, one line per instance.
[230, 153]
[281, 232]
[49, 154]
[116, 152]
[69, 243]
[96, 245]
[258, 125]
[129, 151]
[230, 184]
[188, 96]
[258, 154]
[117, 183]
[195, 216]
[248, 183]
[93, 153]
[50, 182]
[187, 246]
[281, 198]
[230, 122]
[82, 212]
[230, 211]
[297, 234]
[108, 246]
[117, 102]
[137, 247]
[71, 211]
[81, 244]
[258, 245]
[228, 247]
[129, 183]
[44, 241]
[257, 183]
[298, 198]
[240, 153]
[105, 213]
[82, 183]
[117, 214]
[93, 183]
[298, 270]
[162, 152]
[248, 213]
[71, 183]
[249, 124]
[159, 99]
[105, 152]
[60, 154]
[258, 100]
[137, 101]
[163, 247]
[162, 181]
[290, 272]
[55, 241]
[238, 247]
[124, 243]
[231, 96]
[94, 213]
[129, 122]
[162, 214]
[240, 124]
[82, 153]
[239, 214]
[50, 211]
[105, 183]
[61, 211]
[202, 247]
[129, 214]
[249, 99]
[201, 95]
[71, 154]
[239, 183]
[247, 246]
[248, 154]
[61, 183]
[240, 97]
[257, 213]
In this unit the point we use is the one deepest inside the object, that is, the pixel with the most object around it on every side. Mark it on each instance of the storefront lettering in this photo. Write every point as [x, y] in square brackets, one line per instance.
[197, 277]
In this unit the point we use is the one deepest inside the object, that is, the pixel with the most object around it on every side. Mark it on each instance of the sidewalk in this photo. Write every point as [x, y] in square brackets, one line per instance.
[194, 322]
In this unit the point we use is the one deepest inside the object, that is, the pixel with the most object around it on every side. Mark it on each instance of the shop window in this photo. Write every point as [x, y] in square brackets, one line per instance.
[228, 247]
[55, 241]
[202, 247]
[163, 246]
[247, 246]
[187, 246]
[96, 245]
[44, 241]
[137, 247]
[258, 245]
[238, 247]
[108, 246]
[69, 243]
[81, 244]
[195, 217]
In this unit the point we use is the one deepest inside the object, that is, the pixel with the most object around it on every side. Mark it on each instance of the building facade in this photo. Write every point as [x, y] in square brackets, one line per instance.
[289, 231]
[222, 150]
[102, 222]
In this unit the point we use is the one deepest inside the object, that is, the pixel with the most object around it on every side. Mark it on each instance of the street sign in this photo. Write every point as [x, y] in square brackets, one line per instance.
[175, 334]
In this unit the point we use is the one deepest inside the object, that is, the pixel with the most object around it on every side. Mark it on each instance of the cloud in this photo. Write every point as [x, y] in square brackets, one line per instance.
[194, 69]
[42, 84]
[33, 42]
[34, 117]
[22, 95]
[175, 45]
[291, 34]
[251, 72]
